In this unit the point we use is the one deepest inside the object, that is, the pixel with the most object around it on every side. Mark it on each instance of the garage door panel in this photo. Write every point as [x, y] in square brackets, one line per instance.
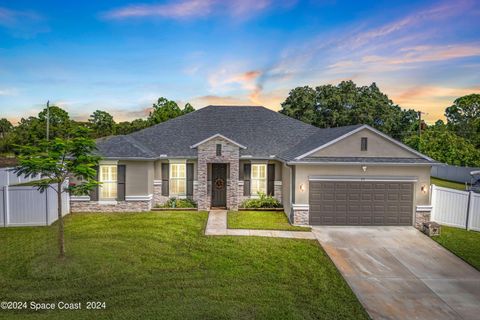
[361, 203]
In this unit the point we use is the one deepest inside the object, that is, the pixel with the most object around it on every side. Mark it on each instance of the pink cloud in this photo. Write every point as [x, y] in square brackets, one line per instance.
[195, 9]
[174, 10]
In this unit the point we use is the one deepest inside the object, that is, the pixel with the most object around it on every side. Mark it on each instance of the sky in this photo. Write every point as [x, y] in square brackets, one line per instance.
[120, 56]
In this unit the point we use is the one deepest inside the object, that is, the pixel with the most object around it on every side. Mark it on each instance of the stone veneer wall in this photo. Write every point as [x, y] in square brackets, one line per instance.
[300, 217]
[420, 218]
[157, 193]
[120, 206]
[206, 153]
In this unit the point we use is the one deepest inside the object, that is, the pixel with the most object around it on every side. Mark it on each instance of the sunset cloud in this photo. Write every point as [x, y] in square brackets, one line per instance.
[194, 9]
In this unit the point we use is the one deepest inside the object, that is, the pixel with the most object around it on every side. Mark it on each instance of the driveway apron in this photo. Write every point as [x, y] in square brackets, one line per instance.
[399, 273]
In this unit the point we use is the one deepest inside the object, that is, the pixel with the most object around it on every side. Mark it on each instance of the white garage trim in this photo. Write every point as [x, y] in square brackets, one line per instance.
[363, 178]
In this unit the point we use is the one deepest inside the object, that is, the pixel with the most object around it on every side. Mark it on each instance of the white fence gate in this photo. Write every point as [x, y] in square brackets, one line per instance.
[456, 208]
[26, 206]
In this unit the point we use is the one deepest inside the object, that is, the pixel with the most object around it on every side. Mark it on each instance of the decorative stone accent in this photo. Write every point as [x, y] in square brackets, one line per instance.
[241, 197]
[422, 215]
[420, 218]
[277, 191]
[120, 206]
[431, 228]
[300, 216]
[207, 153]
[157, 193]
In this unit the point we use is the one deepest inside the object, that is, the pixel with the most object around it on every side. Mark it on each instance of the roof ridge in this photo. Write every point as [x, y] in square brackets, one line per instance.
[139, 145]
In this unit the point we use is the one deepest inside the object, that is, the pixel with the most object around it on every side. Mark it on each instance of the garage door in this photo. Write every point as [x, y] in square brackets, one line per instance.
[361, 203]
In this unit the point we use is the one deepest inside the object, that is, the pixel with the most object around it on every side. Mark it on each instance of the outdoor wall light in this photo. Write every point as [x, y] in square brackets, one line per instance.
[423, 188]
[302, 187]
[364, 168]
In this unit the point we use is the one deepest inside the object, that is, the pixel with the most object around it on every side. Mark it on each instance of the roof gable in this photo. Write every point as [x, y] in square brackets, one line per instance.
[218, 135]
[342, 146]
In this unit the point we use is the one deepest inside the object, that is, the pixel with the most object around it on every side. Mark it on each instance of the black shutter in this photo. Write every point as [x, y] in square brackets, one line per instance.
[121, 173]
[189, 179]
[246, 179]
[94, 191]
[271, 179]
[165, 179]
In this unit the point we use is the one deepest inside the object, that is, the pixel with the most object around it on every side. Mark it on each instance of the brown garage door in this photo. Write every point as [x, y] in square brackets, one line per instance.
[361, 203]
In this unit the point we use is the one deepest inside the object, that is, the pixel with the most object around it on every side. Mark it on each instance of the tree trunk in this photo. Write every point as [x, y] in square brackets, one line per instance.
[61, 239]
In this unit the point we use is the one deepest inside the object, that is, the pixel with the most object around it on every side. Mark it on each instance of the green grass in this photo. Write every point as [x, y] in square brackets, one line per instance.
[463, 243]
[447, 184]
[263, 220]
[160, 265]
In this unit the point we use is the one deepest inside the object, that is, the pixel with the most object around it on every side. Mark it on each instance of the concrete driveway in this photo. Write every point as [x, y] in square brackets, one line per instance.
[399, 273]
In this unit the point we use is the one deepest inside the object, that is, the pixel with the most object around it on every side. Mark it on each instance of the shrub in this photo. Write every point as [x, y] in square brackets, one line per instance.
[178, 203]
[263, 201]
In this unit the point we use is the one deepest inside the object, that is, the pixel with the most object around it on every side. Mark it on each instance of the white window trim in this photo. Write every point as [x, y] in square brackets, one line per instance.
[253, 193]
[170, 193]
[115, 182]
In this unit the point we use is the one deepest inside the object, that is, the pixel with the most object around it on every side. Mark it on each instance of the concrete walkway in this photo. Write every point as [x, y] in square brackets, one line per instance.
[399, 273]
[217, 226]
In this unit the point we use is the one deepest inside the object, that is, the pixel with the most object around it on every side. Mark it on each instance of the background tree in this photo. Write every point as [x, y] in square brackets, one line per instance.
[102, 124]
[5, 127]
[188, 108]
[443, 145]
[55, 161]
[60, 124]
[346, 104]
[463, 117]
[163, 110]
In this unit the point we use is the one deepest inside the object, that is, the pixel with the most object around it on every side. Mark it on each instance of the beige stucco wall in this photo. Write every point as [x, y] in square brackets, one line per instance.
[421, 173]
[377, 147]
[139, 177]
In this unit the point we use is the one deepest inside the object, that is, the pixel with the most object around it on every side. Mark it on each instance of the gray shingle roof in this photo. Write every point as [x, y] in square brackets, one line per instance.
[262, 131]
[315, 140]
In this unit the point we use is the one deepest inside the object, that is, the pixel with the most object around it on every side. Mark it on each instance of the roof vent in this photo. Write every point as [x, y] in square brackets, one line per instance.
[163, 156]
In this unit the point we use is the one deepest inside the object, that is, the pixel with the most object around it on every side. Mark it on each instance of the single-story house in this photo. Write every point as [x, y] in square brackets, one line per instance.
[221, 155]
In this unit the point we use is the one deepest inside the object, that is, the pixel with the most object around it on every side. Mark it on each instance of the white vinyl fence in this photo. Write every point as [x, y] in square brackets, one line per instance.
[8, 177]
[456, 208]
[26, 206]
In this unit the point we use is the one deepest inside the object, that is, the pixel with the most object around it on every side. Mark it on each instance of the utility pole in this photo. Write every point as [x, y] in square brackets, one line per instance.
[48, 118]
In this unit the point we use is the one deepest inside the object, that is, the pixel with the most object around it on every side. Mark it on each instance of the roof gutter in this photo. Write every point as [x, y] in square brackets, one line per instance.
[359, 163]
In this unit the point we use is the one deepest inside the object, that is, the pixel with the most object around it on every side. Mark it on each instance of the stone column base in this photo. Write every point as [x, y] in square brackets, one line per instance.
[422, 214]
[301, 215]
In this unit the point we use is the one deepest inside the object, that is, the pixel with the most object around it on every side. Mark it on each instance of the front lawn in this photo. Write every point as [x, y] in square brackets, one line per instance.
[463, 243]
[263, 220]
[447, 184]
[160, 265]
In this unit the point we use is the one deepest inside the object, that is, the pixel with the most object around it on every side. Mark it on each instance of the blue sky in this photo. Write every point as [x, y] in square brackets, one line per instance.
[120, 56]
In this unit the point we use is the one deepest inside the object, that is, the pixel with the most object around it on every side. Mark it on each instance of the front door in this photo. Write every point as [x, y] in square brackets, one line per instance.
[219, 185]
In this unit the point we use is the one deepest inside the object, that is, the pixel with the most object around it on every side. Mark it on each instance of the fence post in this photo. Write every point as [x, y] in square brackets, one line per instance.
[7, 205]
[46, 205]
[4, 207]
[432, 202]
[469, 205]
